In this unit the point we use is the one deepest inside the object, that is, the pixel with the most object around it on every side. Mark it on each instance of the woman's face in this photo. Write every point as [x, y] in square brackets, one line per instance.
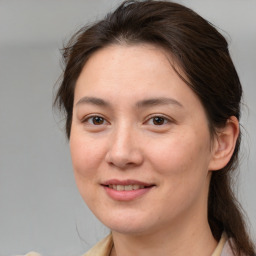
[140, 143]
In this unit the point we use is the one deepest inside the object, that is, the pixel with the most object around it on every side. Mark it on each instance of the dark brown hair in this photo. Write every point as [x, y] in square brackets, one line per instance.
[201, 52]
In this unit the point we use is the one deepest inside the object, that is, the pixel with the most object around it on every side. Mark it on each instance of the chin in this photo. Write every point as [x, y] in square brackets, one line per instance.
[127, 229]
[125, 224]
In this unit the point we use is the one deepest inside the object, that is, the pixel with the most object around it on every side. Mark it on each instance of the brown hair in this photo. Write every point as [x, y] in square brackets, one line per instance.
[202, 54]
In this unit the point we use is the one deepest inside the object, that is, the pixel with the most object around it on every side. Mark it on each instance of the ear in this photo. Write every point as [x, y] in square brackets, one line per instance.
[224, 144]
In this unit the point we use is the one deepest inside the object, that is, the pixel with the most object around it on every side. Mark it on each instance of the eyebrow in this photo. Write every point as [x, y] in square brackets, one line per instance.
[139, 104]
[158, 101]
[93, 101]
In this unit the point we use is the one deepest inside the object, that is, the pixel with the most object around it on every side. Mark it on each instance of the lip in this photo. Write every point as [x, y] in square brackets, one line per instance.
[126, 195]
[126, 182]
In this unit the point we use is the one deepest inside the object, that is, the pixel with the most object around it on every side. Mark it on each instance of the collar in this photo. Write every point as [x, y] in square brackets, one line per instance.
[103, 248]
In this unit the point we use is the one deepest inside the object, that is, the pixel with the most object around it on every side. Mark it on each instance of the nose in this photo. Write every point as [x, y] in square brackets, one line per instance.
[124, 148]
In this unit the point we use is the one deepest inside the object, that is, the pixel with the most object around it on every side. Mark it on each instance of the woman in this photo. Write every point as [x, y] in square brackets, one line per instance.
[152, 102]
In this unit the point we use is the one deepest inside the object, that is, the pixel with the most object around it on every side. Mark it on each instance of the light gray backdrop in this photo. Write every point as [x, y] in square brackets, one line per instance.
[40, 208]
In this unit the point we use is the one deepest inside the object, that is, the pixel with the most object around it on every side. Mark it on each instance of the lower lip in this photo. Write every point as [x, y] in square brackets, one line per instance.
[126, 195]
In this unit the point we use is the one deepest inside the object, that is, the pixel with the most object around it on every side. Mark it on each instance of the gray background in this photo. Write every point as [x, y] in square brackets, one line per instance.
[40, 208]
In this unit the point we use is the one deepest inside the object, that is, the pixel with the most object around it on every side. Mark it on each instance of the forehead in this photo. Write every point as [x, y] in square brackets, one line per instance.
[132, 65]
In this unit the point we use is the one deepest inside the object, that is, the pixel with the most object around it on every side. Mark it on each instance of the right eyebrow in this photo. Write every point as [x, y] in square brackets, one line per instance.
[158, 101]
[92, 101]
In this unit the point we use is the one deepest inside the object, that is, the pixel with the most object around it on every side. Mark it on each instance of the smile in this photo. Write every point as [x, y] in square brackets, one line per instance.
[126, 187]
[126, 190]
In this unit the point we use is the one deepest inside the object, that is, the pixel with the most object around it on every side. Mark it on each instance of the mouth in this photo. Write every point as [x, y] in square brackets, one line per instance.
[126, 190]
[127, 187]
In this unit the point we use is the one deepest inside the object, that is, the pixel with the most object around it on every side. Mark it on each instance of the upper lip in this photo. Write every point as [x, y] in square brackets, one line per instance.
[126, 182]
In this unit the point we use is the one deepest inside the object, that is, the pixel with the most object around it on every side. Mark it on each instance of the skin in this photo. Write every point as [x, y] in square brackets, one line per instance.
[176, 154]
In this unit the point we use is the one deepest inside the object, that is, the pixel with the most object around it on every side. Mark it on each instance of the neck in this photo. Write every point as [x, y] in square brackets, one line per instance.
[178, 241]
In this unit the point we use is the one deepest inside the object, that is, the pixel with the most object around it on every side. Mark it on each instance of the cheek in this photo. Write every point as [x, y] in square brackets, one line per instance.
[181, 156]
[86, 156]
[85, 159]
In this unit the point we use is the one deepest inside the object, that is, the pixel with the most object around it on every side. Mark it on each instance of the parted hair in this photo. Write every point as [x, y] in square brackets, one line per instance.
[202, 54]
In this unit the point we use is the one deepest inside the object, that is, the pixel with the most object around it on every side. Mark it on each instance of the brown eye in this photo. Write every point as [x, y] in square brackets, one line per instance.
[95, 120]
[158, 120]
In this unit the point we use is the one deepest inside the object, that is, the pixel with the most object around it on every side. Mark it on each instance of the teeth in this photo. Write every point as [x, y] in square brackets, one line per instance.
[126, 187]
[137, 187]
[129, 187]
[120, 187]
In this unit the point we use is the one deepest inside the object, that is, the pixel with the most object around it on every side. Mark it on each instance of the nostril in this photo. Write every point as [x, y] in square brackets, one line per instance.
[122, 165]
[124, 156]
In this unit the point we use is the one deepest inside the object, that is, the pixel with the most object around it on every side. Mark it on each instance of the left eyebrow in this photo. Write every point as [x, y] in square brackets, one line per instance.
[158, 101]
[93, 101]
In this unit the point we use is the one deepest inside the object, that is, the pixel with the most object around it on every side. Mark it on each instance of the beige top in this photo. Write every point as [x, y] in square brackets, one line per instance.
[31, 254]
[103, 248]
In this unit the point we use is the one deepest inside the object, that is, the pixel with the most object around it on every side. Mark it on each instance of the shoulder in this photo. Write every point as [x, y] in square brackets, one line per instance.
[227, 251]
[102, 248]
[30, 254]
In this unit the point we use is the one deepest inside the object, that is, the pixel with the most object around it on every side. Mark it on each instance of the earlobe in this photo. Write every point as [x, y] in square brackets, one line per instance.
[224, 144]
